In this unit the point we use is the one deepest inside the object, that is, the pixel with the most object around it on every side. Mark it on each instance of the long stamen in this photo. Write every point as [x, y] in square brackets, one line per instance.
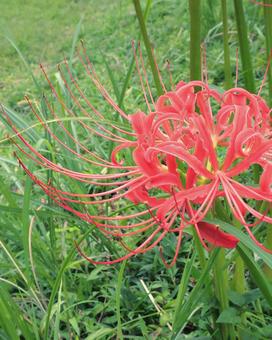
[140, 75]
[99, 86]
[89, 104]
[158, 70]
[145, 73]
[266, 72]
[105, 162]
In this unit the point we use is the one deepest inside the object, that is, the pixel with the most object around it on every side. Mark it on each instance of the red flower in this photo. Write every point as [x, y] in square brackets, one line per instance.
[194, 148]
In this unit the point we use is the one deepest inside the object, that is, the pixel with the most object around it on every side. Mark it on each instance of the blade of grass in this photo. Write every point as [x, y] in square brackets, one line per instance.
[194, 296]
[26, 218]
[25, 62]
[112, 77]
[75, 40]
[256, 273]
[5, 190]
[12, 319]
[118, 299]
[57, 282]
[20, 123]
[244, 46]
[186, 274]
[21, 273]
[57, 319]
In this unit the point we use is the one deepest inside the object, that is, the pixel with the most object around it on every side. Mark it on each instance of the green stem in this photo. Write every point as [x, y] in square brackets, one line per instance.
[239, 284]
[131, 65]
[244, 46]
[227, 67]
[200, 250]
[268, 36]
[221, 290]
[238, 281]
[268, 243]
[195, 56]
[148, 47]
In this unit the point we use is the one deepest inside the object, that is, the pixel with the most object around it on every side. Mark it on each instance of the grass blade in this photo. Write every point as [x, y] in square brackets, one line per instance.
[12, 319]
[75, 39]
[118, 300]
[182, 287]
[57, 283]
[112, 77]
[256, 273]
[194, 296]
[26, 217]
[25, 62]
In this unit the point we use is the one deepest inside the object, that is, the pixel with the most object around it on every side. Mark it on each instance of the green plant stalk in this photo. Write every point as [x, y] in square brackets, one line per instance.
[148, 47]
[268, 37]
[227, 68]
[200, 250]
[239, 282]
[118, 300]
[186, 274]
[268, 243]
[244, 46]
[246, 60]
[221, 286]
[195, 55]
[131, 65]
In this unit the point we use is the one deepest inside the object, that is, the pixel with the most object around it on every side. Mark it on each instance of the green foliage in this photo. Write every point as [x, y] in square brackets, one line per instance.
[47, 291]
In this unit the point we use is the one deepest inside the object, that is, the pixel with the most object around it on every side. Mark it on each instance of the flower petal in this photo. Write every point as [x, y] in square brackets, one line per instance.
[212, 234]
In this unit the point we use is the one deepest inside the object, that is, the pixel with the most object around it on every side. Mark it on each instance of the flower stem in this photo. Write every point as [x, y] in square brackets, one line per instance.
[238, 281]
[227, 68]
[148, 47]
[195, 56]
[221, 289]
[200, 250]
[239, 284]
[244, 46]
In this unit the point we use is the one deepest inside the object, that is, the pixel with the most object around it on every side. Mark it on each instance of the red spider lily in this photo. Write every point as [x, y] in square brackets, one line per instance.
[191, 149]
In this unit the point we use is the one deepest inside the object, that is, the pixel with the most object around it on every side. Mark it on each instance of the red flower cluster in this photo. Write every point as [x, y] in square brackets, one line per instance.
[192, 149]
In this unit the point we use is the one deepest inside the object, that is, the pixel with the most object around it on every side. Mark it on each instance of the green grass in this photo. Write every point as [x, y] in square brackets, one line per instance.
[47, 291]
